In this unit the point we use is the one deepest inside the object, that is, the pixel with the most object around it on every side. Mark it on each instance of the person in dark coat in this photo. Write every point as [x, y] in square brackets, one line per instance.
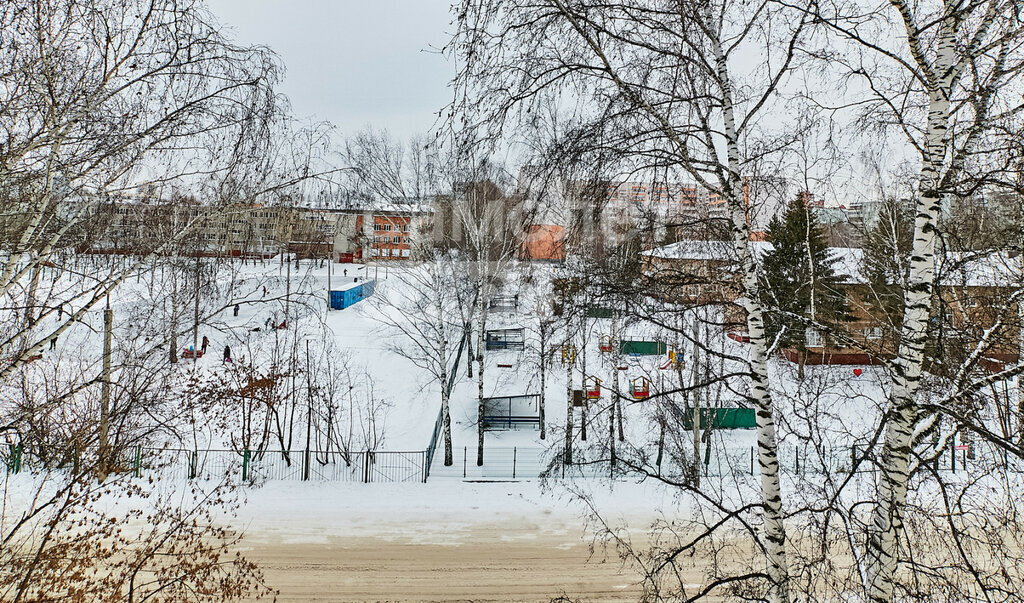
[206, 342]
[236, 309]
[227, 353]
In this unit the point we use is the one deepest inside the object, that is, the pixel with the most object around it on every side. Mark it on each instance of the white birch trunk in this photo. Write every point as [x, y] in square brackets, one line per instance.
[1020, 344]
[567, 453]
[543, 378]
[482, 318]
[887, 516]
[442, 357]
[767, 447]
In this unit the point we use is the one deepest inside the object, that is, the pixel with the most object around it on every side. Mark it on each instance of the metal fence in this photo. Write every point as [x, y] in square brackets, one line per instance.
[533, 462]
[516, 462]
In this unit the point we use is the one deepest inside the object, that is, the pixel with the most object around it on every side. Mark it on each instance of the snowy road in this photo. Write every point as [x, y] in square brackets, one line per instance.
[444, 541]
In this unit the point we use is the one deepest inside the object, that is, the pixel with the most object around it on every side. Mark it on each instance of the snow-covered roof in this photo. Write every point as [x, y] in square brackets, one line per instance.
[695, 250]
[957, 268]
[998, 269]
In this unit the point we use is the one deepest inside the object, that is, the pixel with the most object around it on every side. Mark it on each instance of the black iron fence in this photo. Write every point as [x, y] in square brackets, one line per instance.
[531, 462]
[243, 466]
[528, 462]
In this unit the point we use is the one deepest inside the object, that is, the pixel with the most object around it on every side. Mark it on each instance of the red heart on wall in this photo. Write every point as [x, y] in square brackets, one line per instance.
[857, 372]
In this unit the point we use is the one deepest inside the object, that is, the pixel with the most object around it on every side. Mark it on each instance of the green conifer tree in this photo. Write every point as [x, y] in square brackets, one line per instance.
[800, 279]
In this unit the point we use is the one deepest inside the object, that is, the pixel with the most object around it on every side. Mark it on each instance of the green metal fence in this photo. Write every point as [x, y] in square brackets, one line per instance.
[722, 418]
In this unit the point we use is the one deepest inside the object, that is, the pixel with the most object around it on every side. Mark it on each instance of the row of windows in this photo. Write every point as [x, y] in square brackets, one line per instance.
[395, 240]
[396, 253]
[387, 227]
[814, 337]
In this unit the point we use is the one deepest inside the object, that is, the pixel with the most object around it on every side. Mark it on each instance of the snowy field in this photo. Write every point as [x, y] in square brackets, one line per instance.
[367, 520]
[392, 405]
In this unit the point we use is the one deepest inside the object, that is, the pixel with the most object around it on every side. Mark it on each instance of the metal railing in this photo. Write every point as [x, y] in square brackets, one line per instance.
[531, 462]
[238, 466]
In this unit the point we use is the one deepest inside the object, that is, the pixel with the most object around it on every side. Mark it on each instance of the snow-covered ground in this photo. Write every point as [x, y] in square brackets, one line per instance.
[832, 408]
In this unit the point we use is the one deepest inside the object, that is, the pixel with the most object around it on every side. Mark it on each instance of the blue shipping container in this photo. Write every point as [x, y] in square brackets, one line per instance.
[357, 292]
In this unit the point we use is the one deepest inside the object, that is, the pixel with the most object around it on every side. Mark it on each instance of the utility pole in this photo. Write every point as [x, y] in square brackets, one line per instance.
[174, 315]
[614, 402]
[195, 324]
[695, 380]
[583, 375]
[287, 291]
[309, 414]
[104, 452]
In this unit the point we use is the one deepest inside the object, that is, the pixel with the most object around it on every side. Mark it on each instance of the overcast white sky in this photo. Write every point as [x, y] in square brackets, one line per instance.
[353, 62]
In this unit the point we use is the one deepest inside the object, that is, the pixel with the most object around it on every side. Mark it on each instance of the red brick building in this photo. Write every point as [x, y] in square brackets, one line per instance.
[386, 236]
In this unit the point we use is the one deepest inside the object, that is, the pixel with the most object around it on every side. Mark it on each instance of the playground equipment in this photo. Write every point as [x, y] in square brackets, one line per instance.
[605, 345]
[592, 387]
[512, 412]
[505, 339]
[642, 348]
[674, 361]
[640, 388]
[503, 303]
[568, 354]
[31, 358]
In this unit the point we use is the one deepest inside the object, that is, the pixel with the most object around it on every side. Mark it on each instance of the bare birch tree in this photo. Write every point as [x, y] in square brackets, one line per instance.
[935, 72]
[420, 305]
[664, 84]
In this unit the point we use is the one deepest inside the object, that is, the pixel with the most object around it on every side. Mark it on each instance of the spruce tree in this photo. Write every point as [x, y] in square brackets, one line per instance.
[800, 279]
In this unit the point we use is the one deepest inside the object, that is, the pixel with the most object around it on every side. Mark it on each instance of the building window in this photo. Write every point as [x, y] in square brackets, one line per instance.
[387, 227]
[376, 226]
[873, 333]
[405, 253]
[813, 338]
[373, 252]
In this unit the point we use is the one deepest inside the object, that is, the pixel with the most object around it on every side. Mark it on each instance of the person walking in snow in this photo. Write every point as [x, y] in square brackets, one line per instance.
[227, 353]
[236, 309]
[206, 342]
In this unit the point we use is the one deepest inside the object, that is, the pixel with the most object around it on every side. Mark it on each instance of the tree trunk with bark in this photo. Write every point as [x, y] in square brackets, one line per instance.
[887, 516]
[767, 446]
